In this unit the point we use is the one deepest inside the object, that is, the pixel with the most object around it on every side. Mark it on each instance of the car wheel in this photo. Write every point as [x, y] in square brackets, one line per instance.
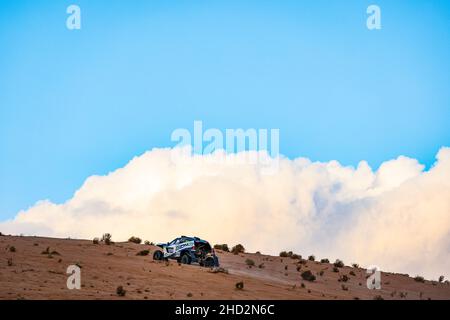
[158, 255]
[185, 259]
[209, 262]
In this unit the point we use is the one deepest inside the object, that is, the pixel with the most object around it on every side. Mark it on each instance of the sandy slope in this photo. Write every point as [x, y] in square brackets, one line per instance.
[34, 275]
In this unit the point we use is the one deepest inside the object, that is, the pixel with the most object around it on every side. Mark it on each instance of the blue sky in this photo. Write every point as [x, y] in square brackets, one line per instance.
[77, 103]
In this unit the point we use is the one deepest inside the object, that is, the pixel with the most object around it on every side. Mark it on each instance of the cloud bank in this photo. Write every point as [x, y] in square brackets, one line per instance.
[397, 217]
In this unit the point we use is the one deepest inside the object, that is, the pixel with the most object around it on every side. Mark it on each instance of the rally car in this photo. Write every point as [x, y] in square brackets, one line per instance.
[187, 250]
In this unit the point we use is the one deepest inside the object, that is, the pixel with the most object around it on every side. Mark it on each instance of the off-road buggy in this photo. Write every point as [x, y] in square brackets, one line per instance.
[187, 250]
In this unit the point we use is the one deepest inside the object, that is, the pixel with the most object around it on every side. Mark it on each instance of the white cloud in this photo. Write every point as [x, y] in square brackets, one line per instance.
[397, 217]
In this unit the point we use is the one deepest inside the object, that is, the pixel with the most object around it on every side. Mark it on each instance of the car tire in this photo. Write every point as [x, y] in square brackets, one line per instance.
[209, 262]
[158, 255]
[185, 259]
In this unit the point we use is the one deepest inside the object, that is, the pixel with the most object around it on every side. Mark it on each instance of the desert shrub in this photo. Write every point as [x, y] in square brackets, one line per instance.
[96, 241]
[258, 252]
[308, 276]
[239, 248]
[296, 256]
[352, 273]
[339, 263]
[189, 295]
[355, 265]
[250, 262]
[12, 249]
[419, 279]
[121, 291]
[299, 268]
[284, 254]
[143, 253]
[321, 273]
[312, 258]
[223, 247]
[46, 251]
[240, 285]
[106, 238]
[147, 243]
[441, 279]
[134, 239]
[261, 266]
[344, 278]
[324, 261]
[1, 234]
[335, 269]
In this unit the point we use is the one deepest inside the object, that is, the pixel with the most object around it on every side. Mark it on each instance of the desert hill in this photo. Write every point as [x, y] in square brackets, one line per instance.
[35, 268]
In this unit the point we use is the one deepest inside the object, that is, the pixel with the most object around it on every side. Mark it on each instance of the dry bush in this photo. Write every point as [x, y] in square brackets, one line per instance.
[96, 241]
[143, 253]
[240, 285]
[223, 247]
[312, 258]
[106, 238]
[324, 261]
[121, 291]
[239, 248]
[344, 278]
[250, 262]
[12, 249]
[339, 263]
[134, 239]
[308, 276]
[419, 279]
